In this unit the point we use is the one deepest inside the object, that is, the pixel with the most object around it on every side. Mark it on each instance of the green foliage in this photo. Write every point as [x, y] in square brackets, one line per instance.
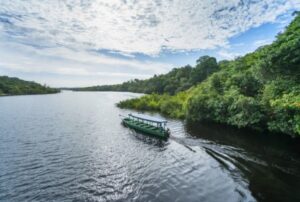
[205, 66]
[285, 114]
[260, 90]
[247, 84]
[15, 86]
[177, 80]
[172, 106]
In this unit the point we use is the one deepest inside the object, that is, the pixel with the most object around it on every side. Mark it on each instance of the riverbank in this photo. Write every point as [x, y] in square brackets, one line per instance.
[10, 86]
[260, 90]
[181, 106]
[47, 93]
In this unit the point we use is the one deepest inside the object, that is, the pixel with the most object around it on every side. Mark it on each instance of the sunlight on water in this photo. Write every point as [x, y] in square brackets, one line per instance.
[72, 147]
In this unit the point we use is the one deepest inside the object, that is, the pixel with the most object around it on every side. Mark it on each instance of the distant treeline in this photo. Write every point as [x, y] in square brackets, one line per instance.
[15, 86]
[179, 79]
[260, 90]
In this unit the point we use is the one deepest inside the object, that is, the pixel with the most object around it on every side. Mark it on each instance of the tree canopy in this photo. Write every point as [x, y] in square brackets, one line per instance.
[260, 90]
[15, 86]
[177, 80]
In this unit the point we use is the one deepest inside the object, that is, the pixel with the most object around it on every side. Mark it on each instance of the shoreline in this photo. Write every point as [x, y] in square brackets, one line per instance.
[10, 95]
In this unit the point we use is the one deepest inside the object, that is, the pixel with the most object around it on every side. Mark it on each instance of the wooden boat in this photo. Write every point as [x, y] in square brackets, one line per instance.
[147, 125]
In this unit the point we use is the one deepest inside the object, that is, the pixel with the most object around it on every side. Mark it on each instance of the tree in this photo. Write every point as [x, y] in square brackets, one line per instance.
[206, 65]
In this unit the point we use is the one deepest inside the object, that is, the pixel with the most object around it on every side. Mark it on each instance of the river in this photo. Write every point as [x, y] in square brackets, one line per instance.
[71, 146]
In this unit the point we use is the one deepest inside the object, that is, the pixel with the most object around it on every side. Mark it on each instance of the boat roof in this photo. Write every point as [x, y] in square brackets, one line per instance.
[148, 118]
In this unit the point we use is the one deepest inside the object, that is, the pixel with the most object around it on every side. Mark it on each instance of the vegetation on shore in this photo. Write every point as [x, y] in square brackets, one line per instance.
[177, 80]
[15, 86]
[260, 90]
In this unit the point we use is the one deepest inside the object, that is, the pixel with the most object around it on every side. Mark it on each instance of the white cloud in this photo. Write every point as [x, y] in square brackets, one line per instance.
[65, 62]
[130, 26]
[228, 55]
[262, 42]
[62, 43]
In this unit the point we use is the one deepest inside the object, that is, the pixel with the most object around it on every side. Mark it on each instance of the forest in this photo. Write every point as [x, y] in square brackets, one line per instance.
[260, 90]
[15, 86]
[177, 80]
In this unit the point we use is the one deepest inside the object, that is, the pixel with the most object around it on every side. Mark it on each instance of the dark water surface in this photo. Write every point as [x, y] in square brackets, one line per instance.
[72, 147]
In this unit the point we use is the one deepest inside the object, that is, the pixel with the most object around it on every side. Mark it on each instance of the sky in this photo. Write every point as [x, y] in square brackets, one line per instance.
[75, 43]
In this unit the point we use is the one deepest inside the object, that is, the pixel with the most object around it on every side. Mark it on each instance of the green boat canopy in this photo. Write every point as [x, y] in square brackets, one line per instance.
[147, 125]
[148, 118]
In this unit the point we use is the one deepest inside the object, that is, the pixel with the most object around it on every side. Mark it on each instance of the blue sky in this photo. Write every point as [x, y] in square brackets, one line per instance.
[93, 42]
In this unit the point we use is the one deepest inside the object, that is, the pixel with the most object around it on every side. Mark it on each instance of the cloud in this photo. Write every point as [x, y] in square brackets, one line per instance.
[262, 42]
[90, 42]
[130, 26]
[66, 62]
[224, 54]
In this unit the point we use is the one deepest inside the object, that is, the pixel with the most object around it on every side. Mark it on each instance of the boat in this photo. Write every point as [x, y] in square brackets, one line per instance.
[147, 125]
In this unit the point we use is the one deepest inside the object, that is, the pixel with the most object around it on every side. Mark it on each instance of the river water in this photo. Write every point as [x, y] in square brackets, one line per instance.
[71, 146]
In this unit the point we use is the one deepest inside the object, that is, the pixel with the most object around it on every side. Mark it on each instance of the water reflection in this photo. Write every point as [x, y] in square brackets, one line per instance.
[148, 139]
[269, 162]
[73, 147]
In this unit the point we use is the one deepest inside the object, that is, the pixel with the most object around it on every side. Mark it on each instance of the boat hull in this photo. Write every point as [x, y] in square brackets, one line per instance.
[145, 129]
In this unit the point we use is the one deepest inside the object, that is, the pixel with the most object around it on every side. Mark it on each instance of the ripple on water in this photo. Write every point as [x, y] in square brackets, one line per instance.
[72, 147]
